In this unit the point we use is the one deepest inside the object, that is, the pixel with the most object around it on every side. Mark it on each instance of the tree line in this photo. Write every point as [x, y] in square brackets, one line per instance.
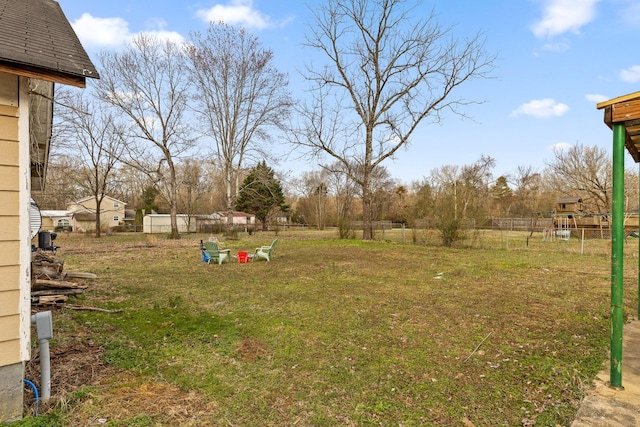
[449, 196]
[454, 195]
[181, 127]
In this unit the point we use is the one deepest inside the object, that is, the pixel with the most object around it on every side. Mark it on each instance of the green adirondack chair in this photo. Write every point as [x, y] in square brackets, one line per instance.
[264, 251]
[216, 254]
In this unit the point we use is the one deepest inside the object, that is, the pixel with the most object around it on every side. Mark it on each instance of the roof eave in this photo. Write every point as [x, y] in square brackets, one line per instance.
[45, 74]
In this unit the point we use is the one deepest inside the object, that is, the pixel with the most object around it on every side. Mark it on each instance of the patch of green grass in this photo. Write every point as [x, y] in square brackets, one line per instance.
[53, 419]
[141, 420]
[350, 332]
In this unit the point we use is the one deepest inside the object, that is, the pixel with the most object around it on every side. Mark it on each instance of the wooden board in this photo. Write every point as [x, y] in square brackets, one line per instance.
[617, 100]
[625, 111]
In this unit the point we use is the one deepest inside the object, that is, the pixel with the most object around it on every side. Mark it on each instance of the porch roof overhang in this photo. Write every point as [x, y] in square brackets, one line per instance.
[625, 110]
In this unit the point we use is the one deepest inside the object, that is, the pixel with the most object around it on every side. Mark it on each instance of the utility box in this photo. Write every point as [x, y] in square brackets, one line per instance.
[44, 325]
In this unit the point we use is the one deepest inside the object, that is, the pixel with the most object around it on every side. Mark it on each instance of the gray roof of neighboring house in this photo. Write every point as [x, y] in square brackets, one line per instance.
[84, 216]
[569, 200]
[35, 35]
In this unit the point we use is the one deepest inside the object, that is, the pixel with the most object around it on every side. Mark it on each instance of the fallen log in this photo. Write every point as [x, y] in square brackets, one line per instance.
[49, 292]
[86, 307]
[49, 299]
[79, 275]
[59, 284]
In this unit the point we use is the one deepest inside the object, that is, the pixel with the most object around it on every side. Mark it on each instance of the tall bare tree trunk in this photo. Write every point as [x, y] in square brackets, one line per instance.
[367, 226]
[98, 217]
[173, 201]
[230, 197]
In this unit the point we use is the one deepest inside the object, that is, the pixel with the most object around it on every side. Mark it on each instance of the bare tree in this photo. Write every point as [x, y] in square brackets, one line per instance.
[196, 183]
[62, 183]
[316, 198]
[467, 185]
[241, 96]
[148, 84]
[344, 191]
[582, 172]
[460, 194]
[386, 74]
[96, 142]
[527, 183]
[131, 184]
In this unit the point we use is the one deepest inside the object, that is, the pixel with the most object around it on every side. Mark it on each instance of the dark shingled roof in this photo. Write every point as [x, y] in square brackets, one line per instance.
[36, 36]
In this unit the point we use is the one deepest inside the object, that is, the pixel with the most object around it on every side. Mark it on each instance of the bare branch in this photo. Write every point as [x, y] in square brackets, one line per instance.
[385, 74]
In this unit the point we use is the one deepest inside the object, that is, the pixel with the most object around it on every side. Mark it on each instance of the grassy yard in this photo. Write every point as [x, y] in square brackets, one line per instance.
[508, 330]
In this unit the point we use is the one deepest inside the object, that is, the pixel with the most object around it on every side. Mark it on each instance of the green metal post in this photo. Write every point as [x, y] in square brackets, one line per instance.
[617, 250]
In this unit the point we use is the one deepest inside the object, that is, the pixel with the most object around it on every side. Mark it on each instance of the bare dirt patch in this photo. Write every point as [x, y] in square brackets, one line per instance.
[251, 349]
[126, 398]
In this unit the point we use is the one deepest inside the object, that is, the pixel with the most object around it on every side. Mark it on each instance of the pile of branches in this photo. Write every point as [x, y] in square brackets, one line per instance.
[50, 284]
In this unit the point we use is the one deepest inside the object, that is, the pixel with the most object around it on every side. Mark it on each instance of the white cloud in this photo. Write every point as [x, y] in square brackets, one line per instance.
[237, 12]
[541, 108]
[631, 74]
[595, 97]
[112, 32]
[101, 31]
[560, 146]
[166, 35]
[560, 16]
[559, 47]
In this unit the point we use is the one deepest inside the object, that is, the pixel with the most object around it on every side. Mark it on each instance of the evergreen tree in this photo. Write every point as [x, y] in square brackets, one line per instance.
[261, 194]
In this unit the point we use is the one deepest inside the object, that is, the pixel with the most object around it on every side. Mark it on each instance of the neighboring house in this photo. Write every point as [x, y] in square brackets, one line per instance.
[81, 215]
[239, 218]
[161, 223]
[37, 48]
[53, 220]
[112, 213]
[217, 220]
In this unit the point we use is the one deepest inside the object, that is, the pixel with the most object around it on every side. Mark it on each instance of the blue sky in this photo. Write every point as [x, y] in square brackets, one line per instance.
[556, 60]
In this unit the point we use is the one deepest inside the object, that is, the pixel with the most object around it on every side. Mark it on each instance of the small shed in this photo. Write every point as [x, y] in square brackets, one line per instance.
[161, 223]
